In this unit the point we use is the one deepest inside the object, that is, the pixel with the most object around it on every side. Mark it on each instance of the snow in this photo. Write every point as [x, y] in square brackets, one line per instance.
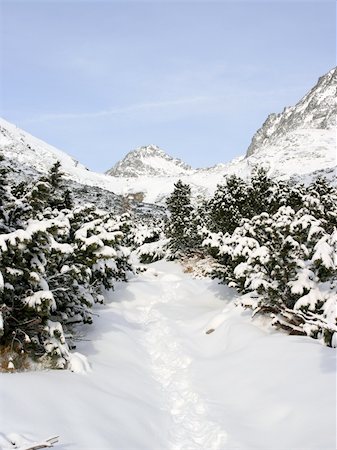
[303, 281]
[1, 281]
[22, 443]
[324, 253]
[150, 377]
[61, 248]
[40, 300]
[79, 363]
[33, 228]
[154, 250]
[309, 300]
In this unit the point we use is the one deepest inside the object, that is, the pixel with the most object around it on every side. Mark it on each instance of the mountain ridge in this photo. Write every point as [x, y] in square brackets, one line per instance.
[299, 143]
[316, 110]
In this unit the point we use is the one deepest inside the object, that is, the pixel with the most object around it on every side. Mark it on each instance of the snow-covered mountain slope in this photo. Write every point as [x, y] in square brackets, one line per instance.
[301, 139]
[316, 111]
[29, 155]
[32, 152]
[150, 161]
[298, 143]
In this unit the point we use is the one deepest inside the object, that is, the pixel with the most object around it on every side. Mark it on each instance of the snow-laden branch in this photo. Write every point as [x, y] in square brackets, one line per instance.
[48, 443]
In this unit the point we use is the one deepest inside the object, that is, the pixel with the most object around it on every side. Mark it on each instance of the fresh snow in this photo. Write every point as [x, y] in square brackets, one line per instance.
[171, 363]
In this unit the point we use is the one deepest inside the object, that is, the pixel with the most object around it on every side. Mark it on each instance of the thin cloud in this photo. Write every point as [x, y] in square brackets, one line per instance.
[138, 107]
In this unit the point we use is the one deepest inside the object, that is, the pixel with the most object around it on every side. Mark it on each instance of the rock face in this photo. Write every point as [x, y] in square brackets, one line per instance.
[316, 111]
[149, 161]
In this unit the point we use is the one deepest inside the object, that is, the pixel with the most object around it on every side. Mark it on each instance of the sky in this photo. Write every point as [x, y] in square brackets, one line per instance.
[198, 78]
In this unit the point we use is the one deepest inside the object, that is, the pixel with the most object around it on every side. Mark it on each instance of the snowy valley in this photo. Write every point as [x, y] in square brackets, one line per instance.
[179, 324]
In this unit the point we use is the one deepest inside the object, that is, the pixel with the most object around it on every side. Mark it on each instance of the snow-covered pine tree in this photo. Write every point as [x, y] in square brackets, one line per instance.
[263, 193]
[60, 197]
[4, 195]
[287, 261]
[282, 252]
[49, 192]
[54, 264]
[99, 240]
[229, 205]
[320, 200]
[27, 304]
[182, 224]
[146, 236]
[238, 199]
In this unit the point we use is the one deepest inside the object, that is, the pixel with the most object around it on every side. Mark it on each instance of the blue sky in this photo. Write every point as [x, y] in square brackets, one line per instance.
[97, 79]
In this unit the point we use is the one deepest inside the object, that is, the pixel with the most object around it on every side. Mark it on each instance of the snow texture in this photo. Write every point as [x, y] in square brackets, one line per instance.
[175, 365]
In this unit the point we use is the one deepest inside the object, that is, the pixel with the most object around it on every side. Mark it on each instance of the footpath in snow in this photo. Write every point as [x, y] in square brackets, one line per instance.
[159, 381]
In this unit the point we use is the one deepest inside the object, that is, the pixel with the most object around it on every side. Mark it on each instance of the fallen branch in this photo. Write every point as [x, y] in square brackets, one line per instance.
[44, 444]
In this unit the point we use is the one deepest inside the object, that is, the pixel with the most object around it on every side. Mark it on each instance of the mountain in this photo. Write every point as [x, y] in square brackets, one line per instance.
[32, 152]
[29, 157]
[151, 161]
[299, 143]
[316, 112]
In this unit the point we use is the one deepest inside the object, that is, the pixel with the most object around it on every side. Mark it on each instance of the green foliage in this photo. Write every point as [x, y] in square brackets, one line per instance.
[238, 199]
[55, 262]
[231, 202]
[182, 224]
[281, 252]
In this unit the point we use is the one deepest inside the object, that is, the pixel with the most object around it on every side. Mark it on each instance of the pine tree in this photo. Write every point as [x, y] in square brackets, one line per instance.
[261, 193]
[27, 301]
[229, 205]
[321, 201]
[4, 195]
[55, 263]
[181, 227]
[288, 261]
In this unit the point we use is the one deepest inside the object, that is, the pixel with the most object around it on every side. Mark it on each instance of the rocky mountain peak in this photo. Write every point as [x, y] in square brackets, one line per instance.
[149, 160]
[317, 110]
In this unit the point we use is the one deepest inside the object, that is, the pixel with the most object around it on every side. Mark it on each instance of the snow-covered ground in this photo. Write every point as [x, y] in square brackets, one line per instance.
[158, 380]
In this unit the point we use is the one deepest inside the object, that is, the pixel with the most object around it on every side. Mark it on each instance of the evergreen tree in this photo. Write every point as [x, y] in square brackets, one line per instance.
[288, 261]
[49, 191]
[262, 194]
[182, 224]
[280, 250]
[321, 201]
[229, 205]
[55, 263]
[238, 199]
[4, 195]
